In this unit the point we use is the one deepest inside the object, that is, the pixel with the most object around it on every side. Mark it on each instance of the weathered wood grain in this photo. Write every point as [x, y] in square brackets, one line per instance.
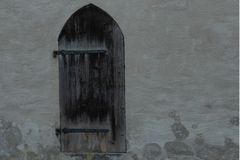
[92, 85]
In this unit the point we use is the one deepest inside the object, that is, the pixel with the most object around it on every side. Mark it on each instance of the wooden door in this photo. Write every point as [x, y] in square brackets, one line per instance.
[91, 83]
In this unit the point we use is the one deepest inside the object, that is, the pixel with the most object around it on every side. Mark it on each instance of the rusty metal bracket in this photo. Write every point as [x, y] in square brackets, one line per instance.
[80, 130]
[72, 52]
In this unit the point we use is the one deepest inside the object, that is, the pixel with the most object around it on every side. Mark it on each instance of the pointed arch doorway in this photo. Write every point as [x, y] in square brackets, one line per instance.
[91, 83]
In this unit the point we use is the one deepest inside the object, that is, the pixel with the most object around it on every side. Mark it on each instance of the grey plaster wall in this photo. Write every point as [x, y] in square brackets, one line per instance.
[181, 78]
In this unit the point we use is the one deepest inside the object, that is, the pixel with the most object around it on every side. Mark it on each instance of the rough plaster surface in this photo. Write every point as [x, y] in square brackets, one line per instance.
[181, 78]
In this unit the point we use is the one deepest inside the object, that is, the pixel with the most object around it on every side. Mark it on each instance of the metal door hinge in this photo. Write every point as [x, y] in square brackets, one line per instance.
[72, 52]
[80, 130]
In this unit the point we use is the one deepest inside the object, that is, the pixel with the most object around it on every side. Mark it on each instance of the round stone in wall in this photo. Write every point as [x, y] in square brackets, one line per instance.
[152, 151]
[179, 131]
[175, 149]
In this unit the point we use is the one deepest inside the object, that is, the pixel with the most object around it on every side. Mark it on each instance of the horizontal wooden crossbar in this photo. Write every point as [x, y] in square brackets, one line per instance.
[67, 52]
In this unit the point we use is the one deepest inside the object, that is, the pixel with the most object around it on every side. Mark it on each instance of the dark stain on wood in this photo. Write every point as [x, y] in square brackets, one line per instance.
[87, 87]
[92, 85]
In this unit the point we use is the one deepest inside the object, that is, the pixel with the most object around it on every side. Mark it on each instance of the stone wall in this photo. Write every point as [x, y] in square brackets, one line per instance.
[181, 78]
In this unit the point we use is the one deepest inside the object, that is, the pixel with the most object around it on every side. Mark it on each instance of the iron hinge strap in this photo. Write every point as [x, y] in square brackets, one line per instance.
[73, 52]
[80, 130]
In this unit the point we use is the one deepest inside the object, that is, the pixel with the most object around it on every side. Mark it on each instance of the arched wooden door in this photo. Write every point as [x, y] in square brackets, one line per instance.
[91, 83]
